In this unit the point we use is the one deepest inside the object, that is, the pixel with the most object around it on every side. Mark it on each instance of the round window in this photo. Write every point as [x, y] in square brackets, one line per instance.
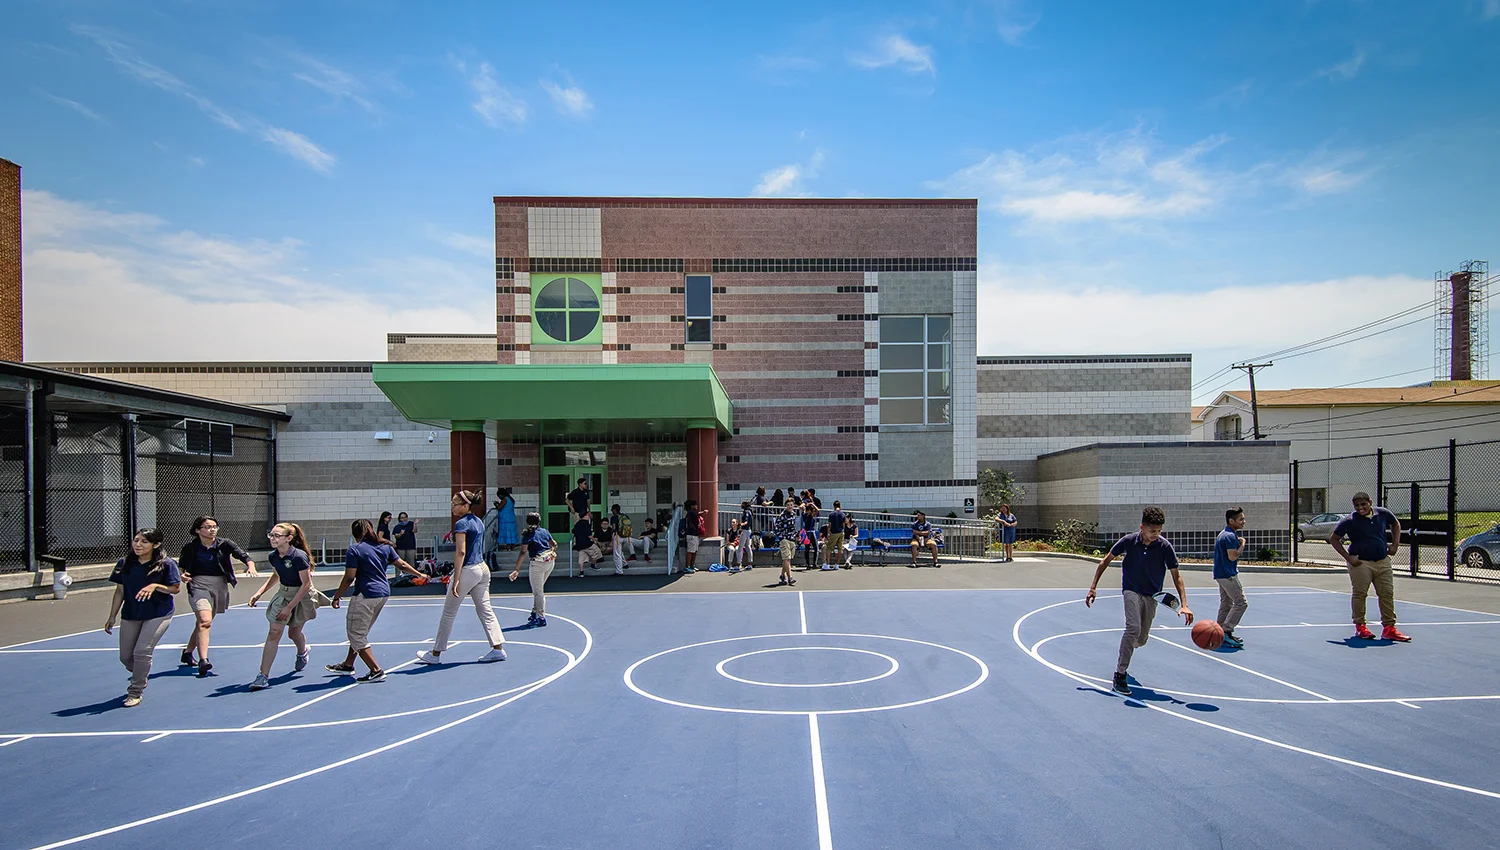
[567, 310]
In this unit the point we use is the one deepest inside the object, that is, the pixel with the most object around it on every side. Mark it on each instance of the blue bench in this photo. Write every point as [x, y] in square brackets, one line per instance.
[893, 538]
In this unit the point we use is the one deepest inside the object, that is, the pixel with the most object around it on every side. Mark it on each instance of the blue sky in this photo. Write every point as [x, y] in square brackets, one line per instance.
[1223, 179]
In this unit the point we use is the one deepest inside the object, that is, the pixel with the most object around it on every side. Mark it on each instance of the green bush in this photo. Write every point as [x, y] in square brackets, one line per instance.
[1266, 553]
[1069, 535]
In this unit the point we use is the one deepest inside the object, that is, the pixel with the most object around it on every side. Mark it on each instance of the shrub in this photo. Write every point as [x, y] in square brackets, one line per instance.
[1266, 553]
[1069, 535]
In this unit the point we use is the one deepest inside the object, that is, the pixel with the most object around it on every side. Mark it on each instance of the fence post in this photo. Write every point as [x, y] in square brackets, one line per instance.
[1380, 475]
[1293, 508]
[1452, 506]
[271, 476]
[213, 484]
[1416, 521]
[127, 455]
[28, 441]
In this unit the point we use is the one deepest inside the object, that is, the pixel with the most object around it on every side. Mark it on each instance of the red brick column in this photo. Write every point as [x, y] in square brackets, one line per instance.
[703, 475]
[466, 461]
[10, 261]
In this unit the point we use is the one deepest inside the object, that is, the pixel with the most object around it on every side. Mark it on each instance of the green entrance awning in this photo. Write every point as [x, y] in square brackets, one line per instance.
[624, 401]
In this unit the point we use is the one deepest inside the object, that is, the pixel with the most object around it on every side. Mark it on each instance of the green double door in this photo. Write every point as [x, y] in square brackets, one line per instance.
[562, 466]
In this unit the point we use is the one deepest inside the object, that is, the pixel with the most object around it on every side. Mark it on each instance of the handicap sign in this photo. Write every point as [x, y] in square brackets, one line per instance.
[968, 506]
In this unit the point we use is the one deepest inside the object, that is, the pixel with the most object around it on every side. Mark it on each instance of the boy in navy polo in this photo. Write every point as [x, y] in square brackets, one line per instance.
[588, 551]
[1374, 537]
[1148, 556]
[1227, 550]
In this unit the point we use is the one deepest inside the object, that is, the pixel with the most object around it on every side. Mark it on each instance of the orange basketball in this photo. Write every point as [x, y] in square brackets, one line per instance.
[1208, 634]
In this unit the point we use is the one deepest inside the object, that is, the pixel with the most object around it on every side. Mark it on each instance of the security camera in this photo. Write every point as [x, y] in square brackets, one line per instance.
[431, 436]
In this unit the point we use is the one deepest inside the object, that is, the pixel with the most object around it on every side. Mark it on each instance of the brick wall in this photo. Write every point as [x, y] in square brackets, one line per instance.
[10, 261]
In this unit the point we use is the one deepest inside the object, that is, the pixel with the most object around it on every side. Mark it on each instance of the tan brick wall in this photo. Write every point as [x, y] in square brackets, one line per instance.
[10, 261]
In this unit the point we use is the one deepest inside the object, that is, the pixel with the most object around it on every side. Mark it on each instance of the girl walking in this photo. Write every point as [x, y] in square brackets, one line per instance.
[365, 565]
[146, 580]
[209, 575]
[538, 545]
[471, 580]
[294, 603]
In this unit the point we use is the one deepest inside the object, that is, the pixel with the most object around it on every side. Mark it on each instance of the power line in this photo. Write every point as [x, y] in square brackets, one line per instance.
[1360, 339]
[1387, 407]
[1491, 417]
[1380, 427]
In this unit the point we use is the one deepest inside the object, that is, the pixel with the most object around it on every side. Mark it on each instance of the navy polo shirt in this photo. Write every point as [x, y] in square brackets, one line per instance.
[289, 569]
[133, 576]
[583, 534]
[1368, 536]
[538, 540]
[1224, 567]
[1145, 566]
[405, 538]
[924, 525]
[472, 528]
[579, 500]
[836, 522]
[369, 560]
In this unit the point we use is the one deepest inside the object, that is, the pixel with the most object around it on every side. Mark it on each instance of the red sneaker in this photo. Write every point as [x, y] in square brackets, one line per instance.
[1363, 632]
[1390, 633]
[648, 558]
[632, 558]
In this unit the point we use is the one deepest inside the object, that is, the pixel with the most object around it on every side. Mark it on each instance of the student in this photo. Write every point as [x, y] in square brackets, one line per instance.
[823, 554]
[692, 523]
[383, 530]
[1227, 550]
[538, 545]
[209, 575]
[584, 545]
[608, 541]
[293, 605]
[851, 542]
[365, 565]
[579, 500]
[406, 538]
[922, 537]
[749, 520]
[472, 579]
[778, 499]
[620, 522]
[1148, 557]
[145, 582]
[1374, 538]
[732, 545]
[645, 541]
[760, 516]
[810, 535]
[1007, 522]
[788, 529]
[835, 552]
[506, 534]
[812, 495]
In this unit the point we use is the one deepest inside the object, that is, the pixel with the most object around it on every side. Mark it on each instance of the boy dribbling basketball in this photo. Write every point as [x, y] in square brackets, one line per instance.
[1147, 557]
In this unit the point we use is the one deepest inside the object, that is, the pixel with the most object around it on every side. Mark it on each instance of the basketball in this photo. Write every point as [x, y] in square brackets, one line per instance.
[1208, 634]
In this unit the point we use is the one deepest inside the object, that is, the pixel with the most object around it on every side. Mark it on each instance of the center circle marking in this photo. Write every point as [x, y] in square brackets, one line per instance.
[719, 668]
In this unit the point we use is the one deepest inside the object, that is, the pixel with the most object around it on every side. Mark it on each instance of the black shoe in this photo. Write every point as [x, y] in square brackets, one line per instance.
[1120, 686]
[187, 657]
[203, 669]
[372, 677]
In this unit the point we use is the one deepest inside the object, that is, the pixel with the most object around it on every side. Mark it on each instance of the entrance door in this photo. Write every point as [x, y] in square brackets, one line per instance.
[562, 466]
[666, 482]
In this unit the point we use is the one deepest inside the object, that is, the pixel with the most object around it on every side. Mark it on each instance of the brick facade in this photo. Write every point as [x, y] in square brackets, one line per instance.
[10, 261]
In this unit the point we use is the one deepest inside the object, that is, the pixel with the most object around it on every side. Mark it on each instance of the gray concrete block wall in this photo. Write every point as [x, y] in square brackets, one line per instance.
[914, 455]
[1102, 426]
[916, 293]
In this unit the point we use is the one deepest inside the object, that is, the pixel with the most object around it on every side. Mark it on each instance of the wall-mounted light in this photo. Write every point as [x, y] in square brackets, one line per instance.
[384, 436]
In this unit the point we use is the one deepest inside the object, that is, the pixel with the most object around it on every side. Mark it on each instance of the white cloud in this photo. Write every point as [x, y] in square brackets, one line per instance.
[898, 51]
[1121, 177]
[1235, 95]
[73, 105]
[1011, 23]
[463, 242]
[785, 181]
[300, 147]
[1345, 70]
[1491, 9]
[332, 80]
[492, 101]
[95, 277]
[568, 98]
[1328, 172]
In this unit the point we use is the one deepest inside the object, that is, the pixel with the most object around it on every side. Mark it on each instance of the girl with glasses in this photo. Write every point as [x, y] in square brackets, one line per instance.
[294, 603]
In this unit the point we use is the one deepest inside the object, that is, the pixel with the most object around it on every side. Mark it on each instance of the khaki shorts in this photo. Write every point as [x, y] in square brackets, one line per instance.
[692, 543]
[591, 554]
[788, 549]
[209, 593]
[305, 610]
[360, 617]
[835, 542]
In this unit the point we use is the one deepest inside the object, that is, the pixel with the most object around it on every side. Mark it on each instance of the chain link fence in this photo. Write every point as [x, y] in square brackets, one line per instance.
[1443, 495]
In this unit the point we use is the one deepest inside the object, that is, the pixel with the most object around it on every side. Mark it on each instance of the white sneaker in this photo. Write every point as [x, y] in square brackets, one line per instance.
[496, 654]
[260, 683]
[426, 657]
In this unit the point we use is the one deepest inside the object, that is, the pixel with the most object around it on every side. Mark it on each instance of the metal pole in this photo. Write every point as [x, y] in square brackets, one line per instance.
[1380, 475]
[1294, 511]
[1254, 400]
[271, 475]
[213, 484]
[29, 443]
[127, 453]
[1416, 523]
[1452, 506]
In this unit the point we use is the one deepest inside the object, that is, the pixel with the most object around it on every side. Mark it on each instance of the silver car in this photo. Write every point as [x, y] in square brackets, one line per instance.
[1318, 528]
[1482, 551]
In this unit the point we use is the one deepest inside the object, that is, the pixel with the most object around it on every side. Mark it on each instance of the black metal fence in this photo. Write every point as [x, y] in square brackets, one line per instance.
[109, 475]
[1443, 495]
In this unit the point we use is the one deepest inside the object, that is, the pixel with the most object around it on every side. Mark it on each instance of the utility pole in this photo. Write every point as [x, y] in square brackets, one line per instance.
[1254, 403]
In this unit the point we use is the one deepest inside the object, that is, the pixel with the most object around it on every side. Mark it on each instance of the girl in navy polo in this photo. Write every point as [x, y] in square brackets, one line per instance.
[209, 575]
[294, 603]
[537, 545]
[146, 580]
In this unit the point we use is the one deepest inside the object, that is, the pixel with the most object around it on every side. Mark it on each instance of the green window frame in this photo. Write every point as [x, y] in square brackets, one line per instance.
[567, 309]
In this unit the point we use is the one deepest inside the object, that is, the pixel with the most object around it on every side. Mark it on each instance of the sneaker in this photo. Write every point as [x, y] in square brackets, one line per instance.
[690, 569]
[620, 572]
[1233, 642]
[301, 662]
[632, 558]
[204, 668]
[260, 683]
[749, 567]
[1363, 632]
[341, 669]
[793, 581]
[648, 558]
[132, 701]
[372, 677]
[912, 565]
[496, 654]
[540, 622]
[1391, 633]
[187, 657]
[1120, 686]
[426, 657]
[781, 583]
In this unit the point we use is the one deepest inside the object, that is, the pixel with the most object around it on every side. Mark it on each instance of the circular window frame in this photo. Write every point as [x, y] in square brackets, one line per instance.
[595, 284]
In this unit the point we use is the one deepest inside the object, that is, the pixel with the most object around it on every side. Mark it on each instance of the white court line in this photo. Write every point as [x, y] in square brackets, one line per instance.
[156, 737]
[572, 662]
[16, 740]
[1407, 703]
[820, 790]
[319, 698]
[1016, 636]
[802, 609]
[1248, 670]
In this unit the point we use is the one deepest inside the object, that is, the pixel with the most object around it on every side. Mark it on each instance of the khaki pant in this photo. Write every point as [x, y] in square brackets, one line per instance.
[834, 553]
[1385, 588]
[360, 617]
[1139, 612]
[138, 639]
[537, 575]
[1232, 602]
[473, 582]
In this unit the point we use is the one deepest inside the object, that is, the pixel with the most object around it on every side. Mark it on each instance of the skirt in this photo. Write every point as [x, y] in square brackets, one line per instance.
[305, 610]
[209, 593]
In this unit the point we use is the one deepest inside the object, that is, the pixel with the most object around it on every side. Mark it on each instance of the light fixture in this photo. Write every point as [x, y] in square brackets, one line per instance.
[384, 435]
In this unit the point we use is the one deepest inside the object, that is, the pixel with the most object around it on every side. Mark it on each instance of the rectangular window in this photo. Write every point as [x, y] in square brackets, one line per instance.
[698, 307]
[208, 438]
[916, 370]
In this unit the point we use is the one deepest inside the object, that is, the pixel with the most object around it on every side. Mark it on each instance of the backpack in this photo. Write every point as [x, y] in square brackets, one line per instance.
[625, 527]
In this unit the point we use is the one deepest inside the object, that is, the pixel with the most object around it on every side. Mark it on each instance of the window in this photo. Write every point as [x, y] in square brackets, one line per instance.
[566, 308]
[208, 438]
[698, 304]
[1227, 428]
[916, 370]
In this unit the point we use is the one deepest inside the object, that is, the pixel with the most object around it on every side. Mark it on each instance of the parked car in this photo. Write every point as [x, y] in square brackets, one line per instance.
[1319, 527]
[1481, 551]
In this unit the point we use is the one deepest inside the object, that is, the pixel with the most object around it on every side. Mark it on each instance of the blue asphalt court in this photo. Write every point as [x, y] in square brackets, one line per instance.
[820, 719]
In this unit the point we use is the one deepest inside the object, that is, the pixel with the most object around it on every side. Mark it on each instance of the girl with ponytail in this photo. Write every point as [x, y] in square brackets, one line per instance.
[294, 603]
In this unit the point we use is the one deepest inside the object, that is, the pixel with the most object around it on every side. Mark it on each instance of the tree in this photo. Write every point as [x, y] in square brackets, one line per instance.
[997, 487]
